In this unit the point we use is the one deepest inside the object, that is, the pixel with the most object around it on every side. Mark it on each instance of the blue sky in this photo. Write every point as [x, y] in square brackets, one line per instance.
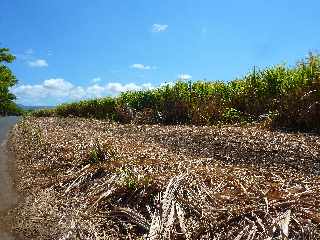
[75, 49]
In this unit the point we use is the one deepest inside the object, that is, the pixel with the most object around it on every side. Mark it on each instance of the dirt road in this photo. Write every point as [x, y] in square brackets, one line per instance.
[7, 194]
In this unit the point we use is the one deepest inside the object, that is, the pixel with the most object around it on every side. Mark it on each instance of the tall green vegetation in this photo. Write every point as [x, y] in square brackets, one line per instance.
[289, 96]
[7, 80]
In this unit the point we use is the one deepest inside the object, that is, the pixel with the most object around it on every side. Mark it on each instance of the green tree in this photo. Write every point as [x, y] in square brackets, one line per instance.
[7, 80]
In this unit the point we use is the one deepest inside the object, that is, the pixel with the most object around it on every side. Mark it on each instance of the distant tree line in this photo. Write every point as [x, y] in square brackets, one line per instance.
[7, 80]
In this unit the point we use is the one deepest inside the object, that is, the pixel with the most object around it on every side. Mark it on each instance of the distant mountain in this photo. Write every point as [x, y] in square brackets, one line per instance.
[34, 107]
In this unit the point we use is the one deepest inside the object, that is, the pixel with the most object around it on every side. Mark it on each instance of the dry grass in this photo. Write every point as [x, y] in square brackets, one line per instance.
[88, 179]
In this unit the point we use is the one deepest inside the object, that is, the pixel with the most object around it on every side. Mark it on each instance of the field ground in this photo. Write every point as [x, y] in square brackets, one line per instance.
[89, 179]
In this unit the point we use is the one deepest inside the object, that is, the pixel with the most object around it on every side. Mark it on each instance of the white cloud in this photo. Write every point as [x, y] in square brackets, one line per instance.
[57, 84]
[147, 86]
[140, 66]
[115, 88]
[38, 63]
[96, 91]
[59, 90]
[159, 27]
[170, 84]
[76, 93]
[51, 88]
[184, 77]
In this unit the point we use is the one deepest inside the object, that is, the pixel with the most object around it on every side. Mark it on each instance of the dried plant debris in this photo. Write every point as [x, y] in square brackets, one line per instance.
[89, 179]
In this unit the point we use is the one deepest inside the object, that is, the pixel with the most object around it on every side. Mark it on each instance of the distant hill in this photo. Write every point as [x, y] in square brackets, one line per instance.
[28, 108]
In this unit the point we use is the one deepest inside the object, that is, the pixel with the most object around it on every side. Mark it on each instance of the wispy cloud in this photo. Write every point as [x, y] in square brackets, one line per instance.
[204, 30]
[96, 80]
[29, 51]
[59, 90]
[28, 56]
[140, 66]
[159, 27]
[38, 63]
[184, 76]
